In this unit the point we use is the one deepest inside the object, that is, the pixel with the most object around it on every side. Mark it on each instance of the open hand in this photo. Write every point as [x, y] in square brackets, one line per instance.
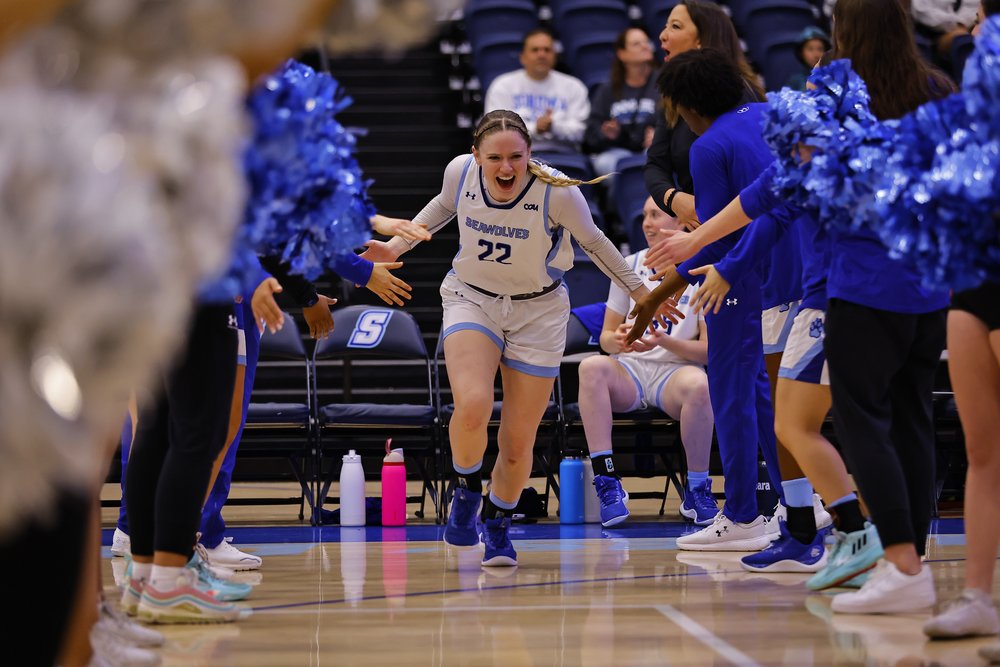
[319, 318]
[388, 287]
[265, 309]
[712, 291]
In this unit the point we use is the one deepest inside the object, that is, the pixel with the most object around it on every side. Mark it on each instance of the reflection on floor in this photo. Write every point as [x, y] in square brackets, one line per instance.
[582, 595]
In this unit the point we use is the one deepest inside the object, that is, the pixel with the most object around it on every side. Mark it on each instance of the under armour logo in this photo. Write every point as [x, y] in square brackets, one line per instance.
[816, 328]
[470, 195]
[725, 529]
[232, 322]
[732, 302]
[743, 110]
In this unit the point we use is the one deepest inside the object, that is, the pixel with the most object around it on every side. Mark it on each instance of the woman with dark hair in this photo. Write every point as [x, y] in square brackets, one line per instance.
[623, 110]
[884, 336]
[695, 24]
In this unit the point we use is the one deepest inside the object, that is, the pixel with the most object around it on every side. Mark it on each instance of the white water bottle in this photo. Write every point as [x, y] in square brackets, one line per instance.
[352, 491]
[591, 503]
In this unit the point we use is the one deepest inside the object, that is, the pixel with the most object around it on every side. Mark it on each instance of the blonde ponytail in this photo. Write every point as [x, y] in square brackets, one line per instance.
[535, 167]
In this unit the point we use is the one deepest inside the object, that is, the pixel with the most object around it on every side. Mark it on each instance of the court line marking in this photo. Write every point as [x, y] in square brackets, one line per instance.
[706, 636]
[448, 591]
[465, 609]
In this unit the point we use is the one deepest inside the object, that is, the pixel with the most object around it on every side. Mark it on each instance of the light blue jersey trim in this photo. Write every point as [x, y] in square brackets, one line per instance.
[531, 369]
[545, 209]
[812, 361]
[461, 182]
[786, 329]
[557, 242]
[638, 386]
[473, 326]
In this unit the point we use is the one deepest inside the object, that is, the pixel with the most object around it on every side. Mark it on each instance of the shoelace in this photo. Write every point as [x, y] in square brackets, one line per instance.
[703, 499]
[608, 492]
[497, 534]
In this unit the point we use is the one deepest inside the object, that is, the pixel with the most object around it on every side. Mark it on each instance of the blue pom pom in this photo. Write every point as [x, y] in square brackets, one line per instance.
[834, 118]
[939, 199]
[308, 201]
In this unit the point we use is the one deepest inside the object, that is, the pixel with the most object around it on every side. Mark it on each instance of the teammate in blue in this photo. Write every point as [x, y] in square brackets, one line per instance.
[505, 307]
[729, 154]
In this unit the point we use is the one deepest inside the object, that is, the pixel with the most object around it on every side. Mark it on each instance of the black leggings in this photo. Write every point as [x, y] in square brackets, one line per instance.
[179, 436]
[53, 545]
[882, 368]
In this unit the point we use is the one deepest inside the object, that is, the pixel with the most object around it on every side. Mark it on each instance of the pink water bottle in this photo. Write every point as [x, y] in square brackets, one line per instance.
[393, 487]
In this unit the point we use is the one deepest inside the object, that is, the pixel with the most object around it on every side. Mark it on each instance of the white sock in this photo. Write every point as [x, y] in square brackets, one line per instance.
[141, 571]
[164, 578]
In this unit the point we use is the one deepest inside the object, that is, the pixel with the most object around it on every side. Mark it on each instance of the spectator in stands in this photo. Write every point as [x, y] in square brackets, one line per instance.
[623, 112]
[553, 105]
[942, 22]
[813, 43]
[665, 370]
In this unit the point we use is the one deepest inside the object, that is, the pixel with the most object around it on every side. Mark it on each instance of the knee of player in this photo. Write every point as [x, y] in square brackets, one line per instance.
[594, 371]
[473, 410]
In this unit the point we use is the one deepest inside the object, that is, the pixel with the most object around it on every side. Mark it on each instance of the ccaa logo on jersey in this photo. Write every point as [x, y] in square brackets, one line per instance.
[370, 328]
[531, 207]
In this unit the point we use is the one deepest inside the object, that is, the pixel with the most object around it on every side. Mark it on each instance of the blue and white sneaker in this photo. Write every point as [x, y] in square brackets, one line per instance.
[613, 500]
[223, 590]
[499, 551]
[852, 554]
[699, 505]
[787, 554]
[461, 528]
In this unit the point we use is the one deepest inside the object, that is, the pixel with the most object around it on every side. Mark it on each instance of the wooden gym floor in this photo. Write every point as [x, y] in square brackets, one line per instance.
[582, 595]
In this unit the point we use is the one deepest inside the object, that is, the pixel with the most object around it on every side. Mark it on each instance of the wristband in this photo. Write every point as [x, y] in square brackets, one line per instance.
[670, 202]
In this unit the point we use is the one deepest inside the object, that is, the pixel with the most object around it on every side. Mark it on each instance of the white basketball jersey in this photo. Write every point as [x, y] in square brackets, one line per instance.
[510, 248]
[686, 329]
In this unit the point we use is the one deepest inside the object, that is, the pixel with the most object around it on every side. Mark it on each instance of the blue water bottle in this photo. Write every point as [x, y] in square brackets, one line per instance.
[571, 490]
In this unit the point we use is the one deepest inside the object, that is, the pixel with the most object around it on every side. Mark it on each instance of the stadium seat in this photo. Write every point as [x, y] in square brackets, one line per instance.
[488, 17]
[370, 341]
[630, 191]
[273, 426]
[496, 54]
[575, 18]
[778, 59]
[590, 57]
[765, 18]
[576, 165]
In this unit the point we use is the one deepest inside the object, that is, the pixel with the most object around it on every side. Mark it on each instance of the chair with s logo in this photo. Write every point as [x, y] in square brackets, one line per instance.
[362, 397]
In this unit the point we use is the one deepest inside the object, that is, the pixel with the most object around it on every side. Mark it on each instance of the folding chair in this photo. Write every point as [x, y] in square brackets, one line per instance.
[646, 421]
[374, 345]
[272, 425]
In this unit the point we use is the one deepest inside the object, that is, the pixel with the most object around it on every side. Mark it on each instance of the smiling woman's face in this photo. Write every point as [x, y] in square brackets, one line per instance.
[504, 159]
[679, 34]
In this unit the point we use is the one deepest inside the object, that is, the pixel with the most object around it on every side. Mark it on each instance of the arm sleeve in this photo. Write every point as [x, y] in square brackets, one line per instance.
[600, 110]
[711, 178]
[618, 300]
[354, 268]
[569, 209]
[301, 291]
[756, 244]
[758, 198]
[440, 210]
[569, 126]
